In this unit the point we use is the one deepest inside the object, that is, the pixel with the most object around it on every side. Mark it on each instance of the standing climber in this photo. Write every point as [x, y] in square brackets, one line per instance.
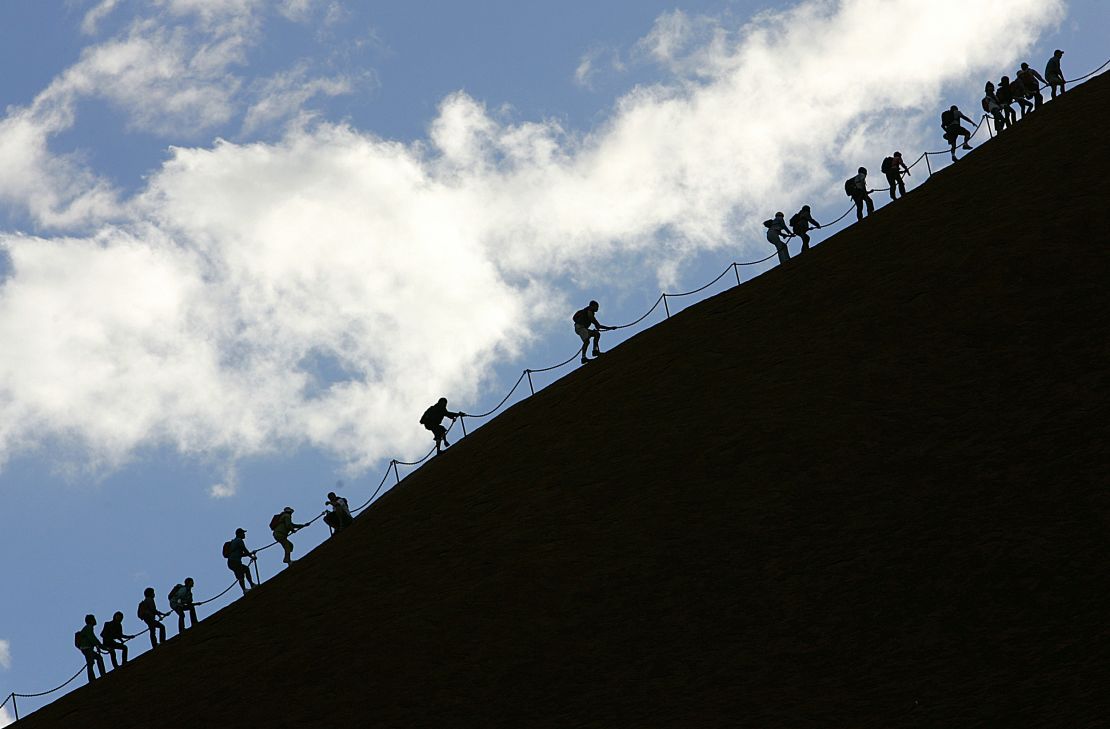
[283, 525]
[893, 167]
[800, 223]
[950, 123]
[339, 518]
[181, 602]
[113, 639]
[1029, 79]
[1011, 91]
[432, 419]
[1053, 73]
[856, 188]
[235, 551]
[90, 646]
[585, 318]
[993, 106]
[776, 230]
[150, 614]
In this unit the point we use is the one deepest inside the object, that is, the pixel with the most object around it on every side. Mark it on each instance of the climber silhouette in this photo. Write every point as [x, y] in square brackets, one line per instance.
[432, 419]
[90, 646]
[1014, 91]
[776, 230]
[283, 525]
[112, 636]
[1054, 74]
[800, 223]
[993, 106]
[1029, 79]
[150, 614]
[893, 167]
[181, 602]
[339, 518]
[585, 318]
[856, 187]
[1005, 96]
[235, 551]
[950, 123]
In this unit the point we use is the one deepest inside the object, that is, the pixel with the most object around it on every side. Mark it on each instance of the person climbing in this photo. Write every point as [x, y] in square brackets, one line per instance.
[856, 187]
[776, 229]
[1029, 79]
[339, 518]
[800, 222]
[150, 614]
[235, 551]
[181, 602]
[113, 638]
[1005, 96]
[1053, 73]
[585, 318]
[85, 640]
[283, 525]
[1009, 91]
[993, 106]
[893, 167]
[432, 419]
[950, 123]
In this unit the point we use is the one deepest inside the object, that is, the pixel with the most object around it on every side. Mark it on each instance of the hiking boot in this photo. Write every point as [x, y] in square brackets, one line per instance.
[584, 360]
[967, 146]
[597, 352]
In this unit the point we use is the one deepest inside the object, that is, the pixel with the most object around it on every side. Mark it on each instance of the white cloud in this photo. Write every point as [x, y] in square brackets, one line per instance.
[5, 654]
[284, 95]
[322, 289]
[6, 719]
[93, 17]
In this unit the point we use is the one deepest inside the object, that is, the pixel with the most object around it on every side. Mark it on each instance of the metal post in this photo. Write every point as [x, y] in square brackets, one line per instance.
[462, 422]
[395, 474]
[257, 579]
[736, 270]
[927, 165]
[15, 707]
[987, 121]
[530, 387]
[665, 307]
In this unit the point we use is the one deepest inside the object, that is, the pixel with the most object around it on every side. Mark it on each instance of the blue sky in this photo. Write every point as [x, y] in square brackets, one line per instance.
[245, 243]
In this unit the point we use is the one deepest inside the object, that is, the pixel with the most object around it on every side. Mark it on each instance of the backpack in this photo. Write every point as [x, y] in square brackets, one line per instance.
[173, 594]
[850, 187]
[947, 118]
[768, 223]
[887, 165]
[986, 104]
[276, 519]
[77, 640]
[228, 546]
[426, 419]
[140, 613]
[796, 220]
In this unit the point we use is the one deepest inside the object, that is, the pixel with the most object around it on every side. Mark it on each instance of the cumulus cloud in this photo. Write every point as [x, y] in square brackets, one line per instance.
[5, 654]
[6, 718]
[320, 289]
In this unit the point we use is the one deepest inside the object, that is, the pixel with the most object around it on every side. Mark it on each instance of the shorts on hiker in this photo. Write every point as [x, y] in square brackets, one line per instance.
[235, 564]
[437, 430]
[585, 333]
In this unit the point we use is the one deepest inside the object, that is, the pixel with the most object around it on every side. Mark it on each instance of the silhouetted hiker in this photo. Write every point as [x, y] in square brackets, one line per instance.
[1029, 79]
[776, 230]
[339, 518]
[112, 635]
[283, 525]
[950, 123]
[150, 614]
[856, 188]
[585, 318]
[893, 167]
[86, 641]
[1009, 92]
[235, 551]
[181, 602]
[1053, 73]
[432, 419]
[993, 106]
[800, 222]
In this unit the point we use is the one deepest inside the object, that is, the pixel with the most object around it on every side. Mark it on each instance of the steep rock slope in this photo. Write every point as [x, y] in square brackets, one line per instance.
[867, 489]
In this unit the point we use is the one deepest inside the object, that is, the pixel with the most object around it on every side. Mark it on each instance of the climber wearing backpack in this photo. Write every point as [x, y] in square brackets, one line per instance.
[856, 188]
[339, 518]
[583, 319]
[181, 602]
[282, 525]
[800, 223]
[432, 420]
[1029, 79]
[234, 551]
[776, 229]
[1005, 96]
[113, 639]
[950, 123]
[1053, 74]
[85, 640]
[150, 614]
[893, 167]
[993, 106]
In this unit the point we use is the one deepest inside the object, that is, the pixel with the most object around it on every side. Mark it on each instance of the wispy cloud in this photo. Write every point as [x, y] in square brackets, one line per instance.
[5, 654]
[320, 289]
